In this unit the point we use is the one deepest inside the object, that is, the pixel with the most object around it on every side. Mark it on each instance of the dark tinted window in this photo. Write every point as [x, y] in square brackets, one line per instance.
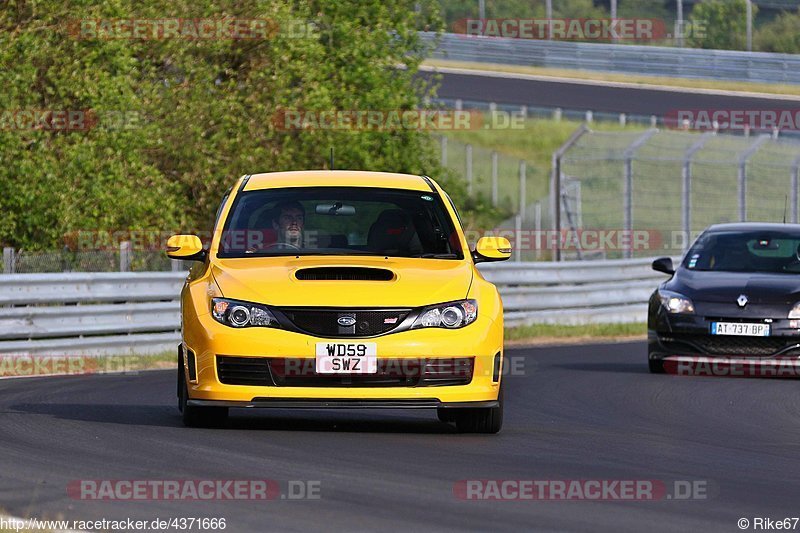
[339, 221]
[756, 251]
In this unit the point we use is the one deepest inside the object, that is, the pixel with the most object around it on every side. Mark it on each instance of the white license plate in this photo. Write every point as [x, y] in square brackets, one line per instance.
[740, 328]
[347, 358]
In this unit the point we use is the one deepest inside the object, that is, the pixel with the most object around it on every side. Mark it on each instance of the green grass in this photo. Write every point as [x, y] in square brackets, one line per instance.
[589, 331]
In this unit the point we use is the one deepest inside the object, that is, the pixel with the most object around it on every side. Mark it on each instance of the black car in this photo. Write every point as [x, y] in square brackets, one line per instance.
[736, 294]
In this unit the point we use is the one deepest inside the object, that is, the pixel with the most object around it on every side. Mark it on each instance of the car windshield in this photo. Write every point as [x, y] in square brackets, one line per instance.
[339, 221]
[745, 251]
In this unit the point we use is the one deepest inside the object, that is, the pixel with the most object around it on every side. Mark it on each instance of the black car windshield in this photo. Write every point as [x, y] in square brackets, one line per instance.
[339, 221]
[745, 251]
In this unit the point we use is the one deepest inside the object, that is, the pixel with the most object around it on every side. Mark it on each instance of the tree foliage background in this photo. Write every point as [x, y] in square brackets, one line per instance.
[197, 113]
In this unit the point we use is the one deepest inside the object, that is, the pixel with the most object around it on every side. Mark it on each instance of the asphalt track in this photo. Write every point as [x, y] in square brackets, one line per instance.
[598, 98]
[590, 412]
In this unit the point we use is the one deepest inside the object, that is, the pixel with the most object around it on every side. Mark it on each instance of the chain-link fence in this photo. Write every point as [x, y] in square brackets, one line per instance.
[123, 259]
[663, 187]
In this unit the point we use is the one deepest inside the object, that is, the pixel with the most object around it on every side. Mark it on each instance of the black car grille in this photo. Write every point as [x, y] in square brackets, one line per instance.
[324, 322]
[731, 345]
[300, 372]
[243, 370]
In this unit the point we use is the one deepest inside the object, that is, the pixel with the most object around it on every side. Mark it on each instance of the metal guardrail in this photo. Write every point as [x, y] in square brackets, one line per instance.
[631, 59]
[126, 313]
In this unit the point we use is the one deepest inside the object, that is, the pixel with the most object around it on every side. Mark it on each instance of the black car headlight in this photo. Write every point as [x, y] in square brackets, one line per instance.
[238, 314]
[451, 315]
[676, 303]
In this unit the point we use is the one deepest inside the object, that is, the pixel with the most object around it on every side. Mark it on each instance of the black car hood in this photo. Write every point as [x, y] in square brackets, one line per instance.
[725, 287]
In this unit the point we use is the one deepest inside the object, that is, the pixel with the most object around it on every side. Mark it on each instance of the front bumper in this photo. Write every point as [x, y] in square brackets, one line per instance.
[305, 403]
[691, 335]
[207, 339]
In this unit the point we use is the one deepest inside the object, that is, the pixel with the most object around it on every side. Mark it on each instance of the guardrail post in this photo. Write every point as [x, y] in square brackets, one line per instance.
[522, 192]
[742, 185]
[443, 146]
[8, 261]
[623, 119]
[589, 117]
[125, 256]
[557, 114]
[468, 155]
[459, 104]
[494, 178]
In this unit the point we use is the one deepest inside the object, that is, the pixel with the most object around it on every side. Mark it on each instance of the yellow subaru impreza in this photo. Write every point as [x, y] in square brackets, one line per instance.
[340, 289]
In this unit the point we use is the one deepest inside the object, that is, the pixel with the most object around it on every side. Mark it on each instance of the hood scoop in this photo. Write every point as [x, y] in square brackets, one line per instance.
[344, 274]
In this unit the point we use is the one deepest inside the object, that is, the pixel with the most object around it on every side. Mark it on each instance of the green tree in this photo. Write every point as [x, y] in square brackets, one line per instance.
[780, 35]
[196, 113]
[724, 23]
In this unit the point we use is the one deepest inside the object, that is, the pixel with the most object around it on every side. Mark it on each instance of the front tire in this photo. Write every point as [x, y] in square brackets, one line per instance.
[480, 419]
[194, 416]
[656, 366]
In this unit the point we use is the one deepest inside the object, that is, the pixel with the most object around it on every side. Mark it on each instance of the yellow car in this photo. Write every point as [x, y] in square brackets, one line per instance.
[340, 289]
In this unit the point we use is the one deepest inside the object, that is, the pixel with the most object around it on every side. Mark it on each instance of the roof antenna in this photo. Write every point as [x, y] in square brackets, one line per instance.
[785, 201]
[331, 164]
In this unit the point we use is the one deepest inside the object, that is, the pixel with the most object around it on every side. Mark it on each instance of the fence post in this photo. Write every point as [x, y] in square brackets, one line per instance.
[522, 192]
[8, 261]
[443, 145]
[557, 114]
[176, 265]
[747, 154]
[468, 155]
[623, 119]
[494, 178]
[125, 256]
[537, 221]
[555, 183]
[517, 238]
[589, 117]
[627, 187]
[794, 187]
[686, 190]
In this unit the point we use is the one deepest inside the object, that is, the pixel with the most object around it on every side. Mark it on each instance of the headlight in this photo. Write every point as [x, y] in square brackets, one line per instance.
[795, 311]
[676, 303]
[238, 314]
[450, 315]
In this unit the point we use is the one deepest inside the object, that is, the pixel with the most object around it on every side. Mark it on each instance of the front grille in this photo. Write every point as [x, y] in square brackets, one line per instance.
[731, 345]
[324, 322]
[300, 372]
[344, 274]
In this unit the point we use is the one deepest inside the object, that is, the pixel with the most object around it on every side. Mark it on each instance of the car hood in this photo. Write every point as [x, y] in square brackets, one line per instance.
[273, 281]
[725, 287]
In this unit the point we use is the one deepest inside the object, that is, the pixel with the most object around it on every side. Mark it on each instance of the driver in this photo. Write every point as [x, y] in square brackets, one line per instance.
[288, 223]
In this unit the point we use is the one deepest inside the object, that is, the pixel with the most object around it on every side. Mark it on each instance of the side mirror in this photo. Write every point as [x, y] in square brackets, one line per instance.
[186, 248]
[492, 249]
[664, 264]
